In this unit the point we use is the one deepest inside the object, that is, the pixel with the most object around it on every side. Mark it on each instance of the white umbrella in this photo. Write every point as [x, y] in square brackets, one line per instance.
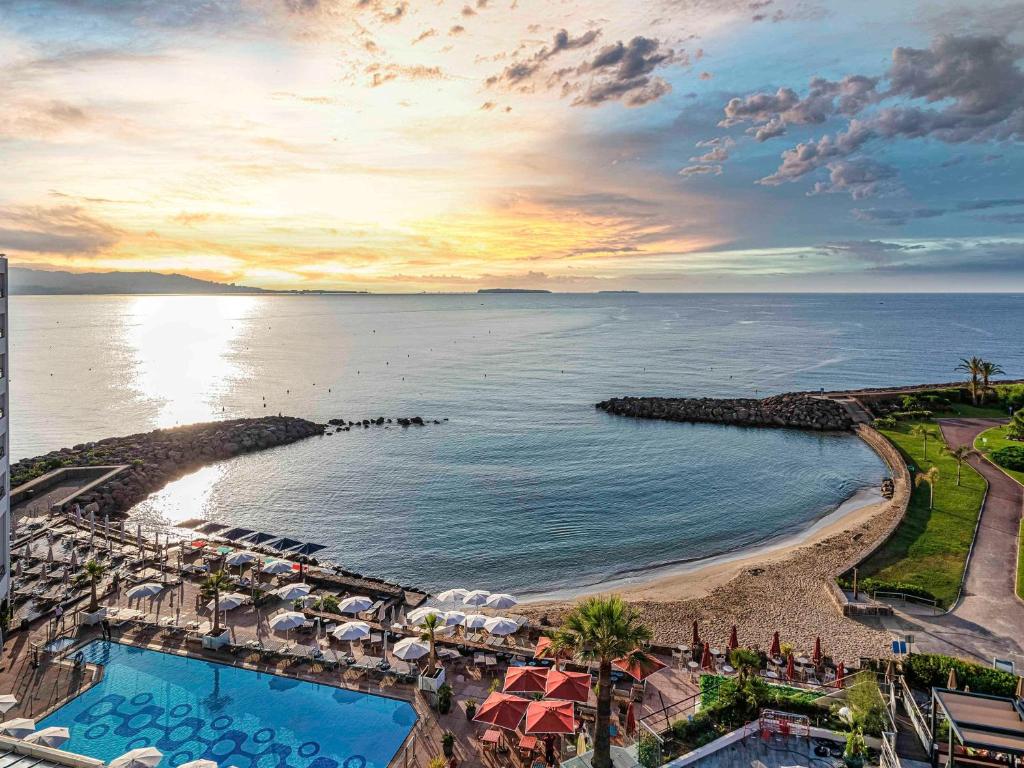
[277, 567]
[287, 620]
[453, 595]
[144, 590]
[291, 591]
[418, 615]
[199, 764]
[53, 736]
[454, 618]
[228, 602]
[6, 702]
[240, 558]
[500, 601]
[355, 604]
[144, 757]
[410, 649]
[475, 621]
[19, 727]
[476, 597]
[499, 625]
[352, 630]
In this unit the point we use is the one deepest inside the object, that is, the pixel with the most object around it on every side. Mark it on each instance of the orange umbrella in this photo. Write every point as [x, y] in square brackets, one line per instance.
[790, 668]
[776, 649]
[840, 674]
[734, 640]
[525, 679]
[543, 650]
[630, 720]
[706, 661]
[550, 716]
[638, 665]
[816, 656]
[574, 686]
[696, 635]
[502, 710]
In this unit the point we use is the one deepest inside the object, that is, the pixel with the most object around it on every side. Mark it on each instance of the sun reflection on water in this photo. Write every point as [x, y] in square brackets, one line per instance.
[178, 501]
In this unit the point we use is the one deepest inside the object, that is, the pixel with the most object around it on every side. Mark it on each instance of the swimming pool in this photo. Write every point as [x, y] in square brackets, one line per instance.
[191, 709]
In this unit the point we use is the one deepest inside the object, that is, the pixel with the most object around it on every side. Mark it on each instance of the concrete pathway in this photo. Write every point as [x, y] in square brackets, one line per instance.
[988, 621]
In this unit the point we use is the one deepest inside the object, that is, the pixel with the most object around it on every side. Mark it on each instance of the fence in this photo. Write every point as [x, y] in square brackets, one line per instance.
[906, 598]
[924, 733]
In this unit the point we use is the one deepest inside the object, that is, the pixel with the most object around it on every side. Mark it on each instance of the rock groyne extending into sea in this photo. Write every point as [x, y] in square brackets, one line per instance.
[798, 411]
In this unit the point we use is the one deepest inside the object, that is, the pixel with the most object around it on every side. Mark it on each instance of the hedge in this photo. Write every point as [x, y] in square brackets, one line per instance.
[931, 670]
[872, 585]
[1011, 457]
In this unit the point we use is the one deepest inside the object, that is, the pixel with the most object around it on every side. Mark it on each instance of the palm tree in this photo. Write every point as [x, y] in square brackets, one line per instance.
[920, 430]
[431, 623]
[930, 478]
[988, 370]
[974, 367]
[960, 454]
[94, 571]
[602, 629]
[212, 585]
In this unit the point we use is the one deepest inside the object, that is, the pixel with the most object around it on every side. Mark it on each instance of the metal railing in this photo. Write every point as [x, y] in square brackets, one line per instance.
[924, 733]
[889, 758]
[661, 720]
[908, 598]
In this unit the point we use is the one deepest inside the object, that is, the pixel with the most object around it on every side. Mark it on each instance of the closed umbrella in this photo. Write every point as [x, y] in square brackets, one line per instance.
[951, 681]
[630, 720]
[453, 595]
[410, 649]
[734, 640]
[476, 597]
[790, 667]
[525, 680]
[149, 589]
[695, 641]
[501, 626]
[841, 673]
[144, 757]
[19, 727]
[53, 736]
[816, 656]
[419, 615]
[276, 567]
[6, 702]
[638, 665]
[291, 591]
[502, 710]
[706, 659]
[500, 601]
[550, 716]
[355, 604]
[570, 686]
[475, 621]
[74, 559]
[776, 649]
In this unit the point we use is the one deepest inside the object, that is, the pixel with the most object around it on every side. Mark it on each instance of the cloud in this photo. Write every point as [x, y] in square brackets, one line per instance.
[718, 150]
[1005, 218]
[427, 33]
[63, 230]
[624, 72]
[384, 73]
[860, 178]
[895, 216]
[701, 170]
[872, 251]
[523, 71]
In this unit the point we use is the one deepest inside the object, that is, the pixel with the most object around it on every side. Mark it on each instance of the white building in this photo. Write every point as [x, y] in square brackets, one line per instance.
[5, 444]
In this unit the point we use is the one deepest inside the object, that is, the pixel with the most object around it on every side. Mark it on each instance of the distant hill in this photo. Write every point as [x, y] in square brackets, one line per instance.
[512, 290]
[38, 281]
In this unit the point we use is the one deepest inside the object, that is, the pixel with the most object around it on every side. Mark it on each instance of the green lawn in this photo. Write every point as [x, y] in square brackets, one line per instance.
[969, 411]
[994, 439]
[929, 549]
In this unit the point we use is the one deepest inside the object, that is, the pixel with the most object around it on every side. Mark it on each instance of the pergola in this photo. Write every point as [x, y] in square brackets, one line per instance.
[981, 729]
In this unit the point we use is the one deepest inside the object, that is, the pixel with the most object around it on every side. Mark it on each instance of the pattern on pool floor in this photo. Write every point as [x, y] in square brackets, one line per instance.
[235, 717]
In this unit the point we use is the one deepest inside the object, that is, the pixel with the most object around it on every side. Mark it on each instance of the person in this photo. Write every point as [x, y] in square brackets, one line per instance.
[58, 616]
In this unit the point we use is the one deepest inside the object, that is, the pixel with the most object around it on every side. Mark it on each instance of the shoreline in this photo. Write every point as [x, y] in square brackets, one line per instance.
[696, 578]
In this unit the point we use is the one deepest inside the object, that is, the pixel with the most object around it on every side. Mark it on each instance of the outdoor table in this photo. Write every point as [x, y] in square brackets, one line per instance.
[772, 675]
[491, 736]
[528, 743]
[693, 665]
[727, 669]
[803, 661]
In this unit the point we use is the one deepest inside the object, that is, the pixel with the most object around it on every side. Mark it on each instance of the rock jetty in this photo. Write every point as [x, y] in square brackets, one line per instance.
[158, 457]
[796, 411]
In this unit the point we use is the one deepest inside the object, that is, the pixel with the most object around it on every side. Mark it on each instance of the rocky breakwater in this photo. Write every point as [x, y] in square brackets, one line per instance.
[795, 411]
[158, 457]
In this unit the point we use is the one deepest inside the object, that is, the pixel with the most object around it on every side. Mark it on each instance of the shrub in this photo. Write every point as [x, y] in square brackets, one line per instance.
[872, 585]
[928, 670]
[865, 701]
[918, 415]
[444, 699]
[885, 422]
[1011, 457]
[1016, 428]
[648, 754]
[1011, 396]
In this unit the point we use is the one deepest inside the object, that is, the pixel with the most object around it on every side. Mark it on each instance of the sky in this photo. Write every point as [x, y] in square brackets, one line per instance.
[427, 145]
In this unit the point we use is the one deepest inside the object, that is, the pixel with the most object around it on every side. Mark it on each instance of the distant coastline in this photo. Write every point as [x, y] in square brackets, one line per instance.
[513, 290]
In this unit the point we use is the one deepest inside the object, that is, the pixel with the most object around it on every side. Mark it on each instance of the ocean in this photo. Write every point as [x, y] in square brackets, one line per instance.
[525, 487]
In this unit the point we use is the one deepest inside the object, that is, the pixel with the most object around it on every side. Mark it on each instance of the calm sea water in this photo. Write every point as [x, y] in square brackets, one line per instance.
[527, 486]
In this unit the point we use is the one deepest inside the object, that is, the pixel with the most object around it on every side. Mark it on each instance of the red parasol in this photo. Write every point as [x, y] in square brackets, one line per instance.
[776, 649]
[573, 686]
[734, 640]
[502, 710]
[525, 680]
[696, 635]
[550, 716]
[638, 665]
[706, 660]
[790, 668]
[198, 543]
[816, 656]
[840, 674]
[630, 720]
[543, 650]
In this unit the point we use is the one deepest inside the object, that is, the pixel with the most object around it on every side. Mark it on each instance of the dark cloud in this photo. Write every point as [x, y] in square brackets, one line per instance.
[624, 72]
[383, 10]
[701, 170]
[861, 178]
[872, 251]
[520, 72]
[896, 216]
[65, 230]
[980, 205]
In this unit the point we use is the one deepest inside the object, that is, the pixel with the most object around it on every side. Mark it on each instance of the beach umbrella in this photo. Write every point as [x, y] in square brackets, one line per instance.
[92, 526]
[525, 680]
[790, 667]
[476, 597]
[106, 529]
[53, 736]
[840, 674]
[410, 649]
[581, 743]
[502, 710]
[352, 630]
[454, 618]
[122, 527]
[475, 620]
[228, 602]
[890, 672]
[695, 641]
[287, 620]
[1018, 693]
[6, 702]
[706, 660]
[19, 727]
[355, 604]
[638, 665]
[240, 558]
[951, 681]
[49, 553]
[500, 601]
[816, 656]
[630, 720]
[734, 640]
[144, 590]
[550, 716]
[199, 764]
[570, 686]
[144, 757]
[199, 543]
[291, 591]
[501, 626]
[453, 595]
[276, 567]
[419, 615]
[776, 649]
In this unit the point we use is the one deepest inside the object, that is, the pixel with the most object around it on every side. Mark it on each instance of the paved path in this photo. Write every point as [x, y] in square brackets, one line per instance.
[988, 621]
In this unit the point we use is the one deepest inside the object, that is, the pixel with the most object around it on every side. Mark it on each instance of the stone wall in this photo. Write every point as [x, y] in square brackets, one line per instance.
[158, 457]
[798, 411]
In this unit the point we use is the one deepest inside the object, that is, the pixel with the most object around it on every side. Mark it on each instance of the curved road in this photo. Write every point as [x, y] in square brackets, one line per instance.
[988, 621]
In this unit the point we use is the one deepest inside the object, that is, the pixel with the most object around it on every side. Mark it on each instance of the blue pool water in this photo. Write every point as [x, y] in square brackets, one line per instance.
[191, 709]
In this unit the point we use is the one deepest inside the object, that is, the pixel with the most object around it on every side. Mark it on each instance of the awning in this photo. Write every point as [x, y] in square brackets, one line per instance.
[236, 533]
[258, 537]
[284, 544]
[306, 549]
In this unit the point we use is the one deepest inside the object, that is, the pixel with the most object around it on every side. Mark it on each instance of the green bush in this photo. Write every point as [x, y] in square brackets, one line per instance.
[1011, 457]
[871, 585]
[648, 754]
[444, 699]
[928, 670]
[885, 422]
[1011, 396]
[918, 415]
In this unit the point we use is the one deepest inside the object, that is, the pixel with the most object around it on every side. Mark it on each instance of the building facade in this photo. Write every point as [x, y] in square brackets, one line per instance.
[5, 443]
